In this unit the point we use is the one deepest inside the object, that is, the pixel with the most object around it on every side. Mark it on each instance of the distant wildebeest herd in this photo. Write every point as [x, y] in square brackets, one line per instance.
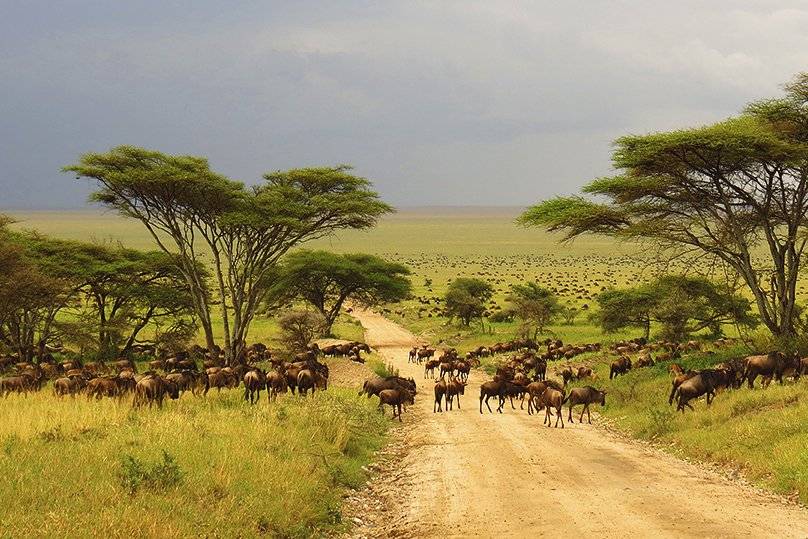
[197, 370]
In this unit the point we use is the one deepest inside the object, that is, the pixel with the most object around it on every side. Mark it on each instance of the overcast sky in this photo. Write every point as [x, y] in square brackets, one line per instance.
[443, 103]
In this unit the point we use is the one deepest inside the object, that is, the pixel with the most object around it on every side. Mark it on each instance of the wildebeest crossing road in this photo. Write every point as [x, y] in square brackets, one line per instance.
[464, 474]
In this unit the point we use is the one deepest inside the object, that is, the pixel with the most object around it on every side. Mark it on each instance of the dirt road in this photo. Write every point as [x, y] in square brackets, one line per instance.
[463, 474]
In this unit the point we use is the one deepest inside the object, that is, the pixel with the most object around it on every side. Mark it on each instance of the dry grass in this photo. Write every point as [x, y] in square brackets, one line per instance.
[276, 469]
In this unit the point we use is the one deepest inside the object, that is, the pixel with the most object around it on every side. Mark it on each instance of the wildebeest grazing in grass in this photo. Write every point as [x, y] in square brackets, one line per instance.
[703, 383]
[310, 380]
[772, 365]
[153, 389]
[254, 381]
[619, 366]
[276, 383]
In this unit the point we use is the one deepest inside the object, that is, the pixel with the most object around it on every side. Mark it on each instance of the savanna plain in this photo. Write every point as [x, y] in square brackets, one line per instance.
[215, 467]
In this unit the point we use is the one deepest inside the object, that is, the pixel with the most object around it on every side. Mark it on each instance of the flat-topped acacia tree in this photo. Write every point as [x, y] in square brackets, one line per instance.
[192, 211]
[327, 280]
[729, 191]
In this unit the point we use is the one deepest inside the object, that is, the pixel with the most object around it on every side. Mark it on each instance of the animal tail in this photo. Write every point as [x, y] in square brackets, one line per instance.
[364, 388]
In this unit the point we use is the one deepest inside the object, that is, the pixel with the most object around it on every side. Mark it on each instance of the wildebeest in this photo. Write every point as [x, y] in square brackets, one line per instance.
[619, 366]
[502, 389]
[703, 383]
[429, 368]
[772, 365]
[586, 396]
[68, 385]
[103, 386]
[491, 389]
[678, 380]
[152, 388]
[448, 390]
[19, 384]
[440, 393]
[276, 383]
[254, 381]
[375, 385]
[310, 379]
[552, 398]
[188, 380]
[396, 398]
[454, 388]
[220, 379]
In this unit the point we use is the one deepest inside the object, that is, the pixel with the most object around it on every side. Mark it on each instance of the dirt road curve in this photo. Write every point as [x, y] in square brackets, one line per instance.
[463, 474]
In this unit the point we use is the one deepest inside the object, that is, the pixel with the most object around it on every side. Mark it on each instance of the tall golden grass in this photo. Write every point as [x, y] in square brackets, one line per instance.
[277, 469]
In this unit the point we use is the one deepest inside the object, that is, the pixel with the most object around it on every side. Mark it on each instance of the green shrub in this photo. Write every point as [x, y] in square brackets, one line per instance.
[161, 475]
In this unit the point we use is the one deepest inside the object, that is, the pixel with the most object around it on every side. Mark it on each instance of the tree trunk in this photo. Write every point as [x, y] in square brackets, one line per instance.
[228, 344]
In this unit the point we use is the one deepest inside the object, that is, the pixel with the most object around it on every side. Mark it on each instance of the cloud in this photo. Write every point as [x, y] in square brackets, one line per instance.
[439, 102]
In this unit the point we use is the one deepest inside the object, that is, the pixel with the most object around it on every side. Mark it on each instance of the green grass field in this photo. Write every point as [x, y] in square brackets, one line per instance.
[764, 433]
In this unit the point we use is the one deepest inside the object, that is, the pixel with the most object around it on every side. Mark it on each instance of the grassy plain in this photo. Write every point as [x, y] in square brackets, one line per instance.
[762, 433]
[79, 468]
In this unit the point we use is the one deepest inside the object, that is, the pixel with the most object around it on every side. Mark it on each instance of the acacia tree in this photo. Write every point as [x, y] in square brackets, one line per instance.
[327, 280]
[185, 205]
[178, 199]
[466, 298]
[681, 305]
[124, 290]
[30, 299]
[720, 191]
[535, 306]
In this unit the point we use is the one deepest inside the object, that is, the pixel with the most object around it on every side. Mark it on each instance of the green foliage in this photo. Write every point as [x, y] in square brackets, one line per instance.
[380, 368]
[535, 306]
[466, 298]
[327, 280]
[719, 191]
[136, 474]
[681, 305]
[503, 315]
[569, 313]
[187, 208]
[30, 297]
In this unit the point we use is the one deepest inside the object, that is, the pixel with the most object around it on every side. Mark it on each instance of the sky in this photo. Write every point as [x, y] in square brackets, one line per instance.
[438, 103]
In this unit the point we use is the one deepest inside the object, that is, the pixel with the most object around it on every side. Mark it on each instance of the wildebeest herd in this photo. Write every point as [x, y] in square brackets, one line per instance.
[524, 374]
[197, 370]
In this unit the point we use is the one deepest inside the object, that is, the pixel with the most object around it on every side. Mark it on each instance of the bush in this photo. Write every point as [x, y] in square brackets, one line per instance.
[136, 474]
[300, 328]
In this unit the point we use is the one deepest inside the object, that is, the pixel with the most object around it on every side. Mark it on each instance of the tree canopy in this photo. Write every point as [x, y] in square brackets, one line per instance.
[721, 191]
[466, 298]
[535, 306]
[193, 212]
[327, 280]
[680, 305]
